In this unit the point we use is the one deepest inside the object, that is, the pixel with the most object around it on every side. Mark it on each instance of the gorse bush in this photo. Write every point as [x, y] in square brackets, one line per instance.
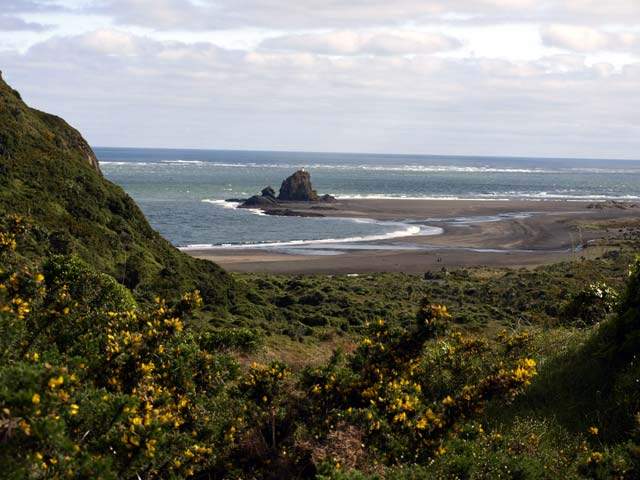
[93, 387]
[387, 388]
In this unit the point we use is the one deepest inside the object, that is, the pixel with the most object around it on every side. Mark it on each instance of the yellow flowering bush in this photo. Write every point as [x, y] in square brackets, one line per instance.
[94, 386]
[409, 389]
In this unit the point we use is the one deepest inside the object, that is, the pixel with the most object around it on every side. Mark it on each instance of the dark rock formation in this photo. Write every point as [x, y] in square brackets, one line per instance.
[287, 212]
[327, 198]
[269, 192]
[297, 188]
[259, 201]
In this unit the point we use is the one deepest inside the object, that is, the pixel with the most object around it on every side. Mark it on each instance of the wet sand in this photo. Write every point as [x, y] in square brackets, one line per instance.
[549, 231]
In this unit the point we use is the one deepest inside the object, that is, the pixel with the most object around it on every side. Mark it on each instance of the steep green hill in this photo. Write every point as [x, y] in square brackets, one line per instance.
[49, 174]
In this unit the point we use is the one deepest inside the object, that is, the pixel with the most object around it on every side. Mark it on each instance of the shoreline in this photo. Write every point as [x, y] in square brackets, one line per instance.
[473, 233]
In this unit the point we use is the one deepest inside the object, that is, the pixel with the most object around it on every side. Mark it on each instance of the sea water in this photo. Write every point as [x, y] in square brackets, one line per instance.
[183, 192]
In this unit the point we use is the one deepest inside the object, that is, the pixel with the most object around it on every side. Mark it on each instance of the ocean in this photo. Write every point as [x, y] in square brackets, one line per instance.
[182, 192]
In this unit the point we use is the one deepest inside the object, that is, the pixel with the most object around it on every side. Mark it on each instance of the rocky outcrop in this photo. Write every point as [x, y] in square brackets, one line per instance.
[260, 201]
[269, 192]
[287, 212]
[297, 188]
[327, 198]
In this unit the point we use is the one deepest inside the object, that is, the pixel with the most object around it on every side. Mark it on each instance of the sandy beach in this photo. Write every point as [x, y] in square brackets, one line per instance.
[473, 233]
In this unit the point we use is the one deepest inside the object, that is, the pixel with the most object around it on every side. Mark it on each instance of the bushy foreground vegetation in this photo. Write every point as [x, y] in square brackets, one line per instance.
[95, 384]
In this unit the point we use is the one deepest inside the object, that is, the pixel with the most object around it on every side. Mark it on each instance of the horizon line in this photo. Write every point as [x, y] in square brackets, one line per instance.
[447, 155]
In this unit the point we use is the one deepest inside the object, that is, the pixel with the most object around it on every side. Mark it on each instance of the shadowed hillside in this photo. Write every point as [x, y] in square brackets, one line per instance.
[48, 173]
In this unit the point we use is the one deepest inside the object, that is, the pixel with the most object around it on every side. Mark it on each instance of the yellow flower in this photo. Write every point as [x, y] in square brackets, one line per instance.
[596, 457]
[73, 409]
[35, 399]
[147, 367]
[25, 427]
[400, 417]
[593, 430]
[448, 401]
[56, 381]
[39, 278]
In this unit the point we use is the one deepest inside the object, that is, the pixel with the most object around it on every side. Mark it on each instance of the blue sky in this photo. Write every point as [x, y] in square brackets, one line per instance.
[476, 77]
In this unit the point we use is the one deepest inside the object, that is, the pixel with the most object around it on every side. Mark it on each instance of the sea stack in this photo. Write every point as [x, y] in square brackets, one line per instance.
[297, 188]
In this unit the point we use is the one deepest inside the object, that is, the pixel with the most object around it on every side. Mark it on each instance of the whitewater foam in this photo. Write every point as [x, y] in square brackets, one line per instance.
[222, 203]
[406, 231]
[409, 168]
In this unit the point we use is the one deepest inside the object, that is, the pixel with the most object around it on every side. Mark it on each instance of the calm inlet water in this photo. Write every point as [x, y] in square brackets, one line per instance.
[182, 191]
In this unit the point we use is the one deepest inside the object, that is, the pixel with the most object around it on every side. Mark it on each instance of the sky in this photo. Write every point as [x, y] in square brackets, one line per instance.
[549, 78]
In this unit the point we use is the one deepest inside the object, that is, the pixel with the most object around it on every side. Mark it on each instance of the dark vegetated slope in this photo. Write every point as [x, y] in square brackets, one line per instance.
[597, 381]
[49, 174]
[479, 298]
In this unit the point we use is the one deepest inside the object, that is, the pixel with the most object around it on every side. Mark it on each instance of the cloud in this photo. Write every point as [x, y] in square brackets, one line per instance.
[181, 15]
[588, 39]
[10, 11]
[363, 43]
[30, 6]
[10, 23]
[339, 14]
[126, 89]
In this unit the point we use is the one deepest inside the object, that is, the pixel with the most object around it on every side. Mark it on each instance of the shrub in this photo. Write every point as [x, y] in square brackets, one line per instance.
[590, 305]
[242, 339]
[92, 386]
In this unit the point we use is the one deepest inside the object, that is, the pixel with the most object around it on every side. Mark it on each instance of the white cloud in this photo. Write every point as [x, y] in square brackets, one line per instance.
[10, 23]
[363, 43]
[537, 77]
[337, 14]
[588, 39]
[125, 89]
[110, 42]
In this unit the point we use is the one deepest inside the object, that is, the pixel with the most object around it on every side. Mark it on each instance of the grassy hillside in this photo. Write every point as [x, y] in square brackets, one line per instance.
[49, 174]
[468, 374]
[94, 386]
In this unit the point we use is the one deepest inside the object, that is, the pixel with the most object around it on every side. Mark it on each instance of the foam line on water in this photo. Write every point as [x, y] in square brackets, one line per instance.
[409, 168]
[233, 206]
[405, 230]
